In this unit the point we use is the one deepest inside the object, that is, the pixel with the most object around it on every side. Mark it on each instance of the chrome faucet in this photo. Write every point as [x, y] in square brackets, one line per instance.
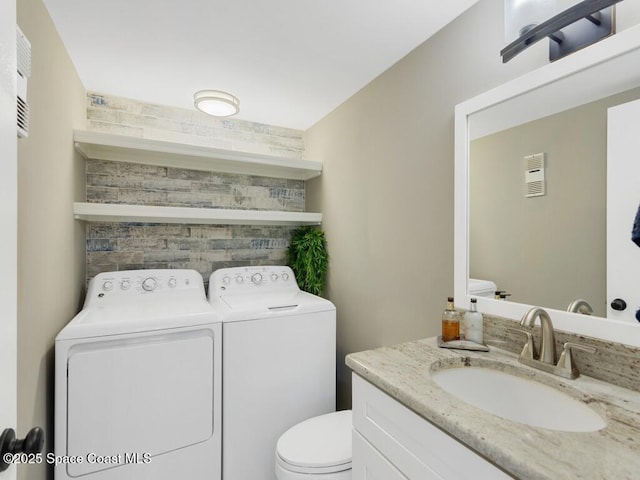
[580, 306]
[548, 345]
[546, 360]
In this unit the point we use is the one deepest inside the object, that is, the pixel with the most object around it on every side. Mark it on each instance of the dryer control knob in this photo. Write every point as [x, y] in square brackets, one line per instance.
[239, 279]
[149, 284]
[108, 285]
[125, 284]
[285, 276]
[256, 278]
[274, 277]
[172, 282]
[226, 280]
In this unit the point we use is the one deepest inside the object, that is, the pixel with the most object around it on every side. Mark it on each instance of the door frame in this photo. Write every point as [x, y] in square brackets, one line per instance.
[9, 221]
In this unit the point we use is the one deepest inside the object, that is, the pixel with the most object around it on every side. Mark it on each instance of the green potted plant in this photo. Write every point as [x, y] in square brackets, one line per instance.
[309, 259]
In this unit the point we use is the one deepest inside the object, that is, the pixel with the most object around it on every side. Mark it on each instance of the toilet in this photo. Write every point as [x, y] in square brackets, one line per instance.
[481, 288]
[318, 448]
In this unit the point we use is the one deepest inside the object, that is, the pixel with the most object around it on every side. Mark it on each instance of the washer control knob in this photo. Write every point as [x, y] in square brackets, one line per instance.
[226, 280]
[125, 284]
[274, 277]
[172, 282]
[108, 285]
[285, 276]
[149, 284]
[239, 279]
[256, 278]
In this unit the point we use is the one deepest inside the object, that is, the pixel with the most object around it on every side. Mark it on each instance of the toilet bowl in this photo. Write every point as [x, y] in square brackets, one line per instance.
[318, 448]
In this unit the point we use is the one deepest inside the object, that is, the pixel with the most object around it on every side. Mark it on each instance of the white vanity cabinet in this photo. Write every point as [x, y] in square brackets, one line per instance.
[392, 442]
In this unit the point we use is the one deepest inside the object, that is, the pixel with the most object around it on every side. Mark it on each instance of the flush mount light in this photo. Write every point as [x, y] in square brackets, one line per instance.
[216, 103]
[584, 23]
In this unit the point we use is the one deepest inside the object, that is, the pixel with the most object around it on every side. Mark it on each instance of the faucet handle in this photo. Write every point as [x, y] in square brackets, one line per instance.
[565, 367]
[529, 349]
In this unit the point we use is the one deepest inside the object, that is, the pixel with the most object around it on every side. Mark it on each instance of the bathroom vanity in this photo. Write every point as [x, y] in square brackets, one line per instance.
[407, 426]
[408, 423]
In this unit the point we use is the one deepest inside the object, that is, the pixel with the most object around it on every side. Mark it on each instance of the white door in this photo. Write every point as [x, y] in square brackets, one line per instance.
[623, 199]
[8, 220]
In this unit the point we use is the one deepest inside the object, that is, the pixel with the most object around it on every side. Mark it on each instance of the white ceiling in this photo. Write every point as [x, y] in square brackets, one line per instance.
[290, 62]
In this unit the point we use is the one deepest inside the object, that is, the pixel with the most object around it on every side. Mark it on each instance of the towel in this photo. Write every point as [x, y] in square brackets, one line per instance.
[635, 233]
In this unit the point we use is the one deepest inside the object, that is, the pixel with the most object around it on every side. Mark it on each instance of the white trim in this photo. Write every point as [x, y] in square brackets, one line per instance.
[603, 69]
[9, 219]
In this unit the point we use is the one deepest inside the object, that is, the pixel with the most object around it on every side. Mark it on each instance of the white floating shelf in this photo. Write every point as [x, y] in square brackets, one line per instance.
[112, 212]
[121, 148]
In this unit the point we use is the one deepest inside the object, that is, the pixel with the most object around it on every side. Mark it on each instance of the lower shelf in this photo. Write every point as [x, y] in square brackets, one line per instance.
[120, 213]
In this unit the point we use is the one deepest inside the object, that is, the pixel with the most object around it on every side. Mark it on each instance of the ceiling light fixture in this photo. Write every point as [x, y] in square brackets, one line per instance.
[216, 103]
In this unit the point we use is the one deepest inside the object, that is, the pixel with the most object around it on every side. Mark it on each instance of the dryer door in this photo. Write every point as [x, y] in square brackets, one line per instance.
[138, 396]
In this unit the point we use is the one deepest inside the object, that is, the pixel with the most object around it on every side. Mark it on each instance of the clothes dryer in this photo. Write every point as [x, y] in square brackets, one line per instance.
[279, 363]
[138, 381]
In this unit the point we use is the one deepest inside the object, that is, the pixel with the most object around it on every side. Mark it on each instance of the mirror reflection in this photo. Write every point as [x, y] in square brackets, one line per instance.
[541, 236]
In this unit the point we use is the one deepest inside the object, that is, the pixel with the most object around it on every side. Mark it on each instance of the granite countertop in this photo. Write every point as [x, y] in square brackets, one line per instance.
[403, 372]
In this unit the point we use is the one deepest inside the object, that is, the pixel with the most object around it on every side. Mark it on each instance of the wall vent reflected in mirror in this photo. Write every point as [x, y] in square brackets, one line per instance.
[534, 179]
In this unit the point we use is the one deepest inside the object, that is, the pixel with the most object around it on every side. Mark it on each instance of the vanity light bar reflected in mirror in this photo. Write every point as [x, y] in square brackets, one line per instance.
[585, 23]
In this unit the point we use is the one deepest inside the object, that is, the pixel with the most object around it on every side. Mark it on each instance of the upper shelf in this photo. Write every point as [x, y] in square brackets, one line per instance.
[121, 148]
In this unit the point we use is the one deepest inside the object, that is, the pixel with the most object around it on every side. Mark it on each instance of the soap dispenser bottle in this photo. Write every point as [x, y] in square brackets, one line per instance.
[473, 322]
[450, 323]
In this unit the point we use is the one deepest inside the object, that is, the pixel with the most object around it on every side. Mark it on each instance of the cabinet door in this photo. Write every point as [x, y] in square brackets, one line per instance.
[369, 464]
[417, 448]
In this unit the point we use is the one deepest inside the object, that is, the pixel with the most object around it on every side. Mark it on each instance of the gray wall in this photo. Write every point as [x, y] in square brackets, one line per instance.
[547, 250]
[50, 242]
[131, 246]
[205, 248]
[387, 188]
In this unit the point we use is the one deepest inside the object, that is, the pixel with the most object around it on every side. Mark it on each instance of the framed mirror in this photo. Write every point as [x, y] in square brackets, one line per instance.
[544, 112]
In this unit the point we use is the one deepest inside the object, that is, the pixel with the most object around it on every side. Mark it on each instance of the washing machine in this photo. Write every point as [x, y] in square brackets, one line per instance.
[279, 363]
[138, 381]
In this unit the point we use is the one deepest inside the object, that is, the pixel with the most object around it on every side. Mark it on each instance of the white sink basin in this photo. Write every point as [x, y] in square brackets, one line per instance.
[518, 399]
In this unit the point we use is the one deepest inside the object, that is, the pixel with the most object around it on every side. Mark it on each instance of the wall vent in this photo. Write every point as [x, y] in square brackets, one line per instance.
[23, 47]
[534, 179]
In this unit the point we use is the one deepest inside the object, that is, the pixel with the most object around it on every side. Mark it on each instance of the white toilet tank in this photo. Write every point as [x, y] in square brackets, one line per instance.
[481, 288]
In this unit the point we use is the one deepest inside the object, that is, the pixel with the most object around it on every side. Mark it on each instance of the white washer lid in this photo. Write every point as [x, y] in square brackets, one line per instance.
[319, 442]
